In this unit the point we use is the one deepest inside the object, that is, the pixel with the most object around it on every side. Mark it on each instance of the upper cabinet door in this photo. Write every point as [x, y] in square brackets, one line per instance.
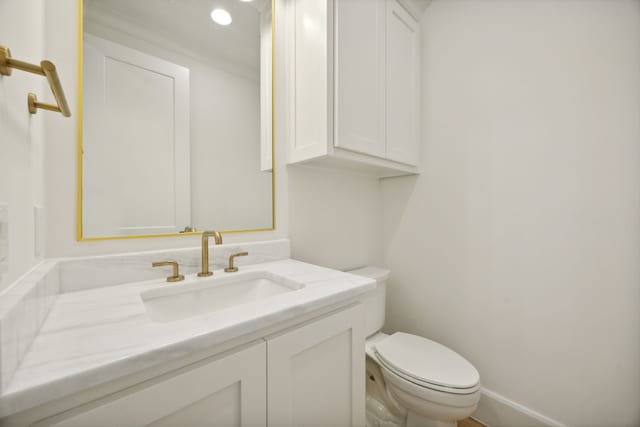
[309, 56]
[359, 86]
[403, 85]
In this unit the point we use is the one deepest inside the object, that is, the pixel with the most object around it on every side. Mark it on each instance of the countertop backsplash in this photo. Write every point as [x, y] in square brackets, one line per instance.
[80, 274]
[24, 306]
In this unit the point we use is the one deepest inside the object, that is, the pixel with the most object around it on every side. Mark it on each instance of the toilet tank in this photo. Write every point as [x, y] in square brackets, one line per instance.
[374, 300]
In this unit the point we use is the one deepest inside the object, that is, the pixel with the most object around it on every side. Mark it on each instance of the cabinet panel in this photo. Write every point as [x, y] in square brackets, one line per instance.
[316, 373]
[403, 85]
[360, 76]
[223, 404]
[312, 58]
[229, 391]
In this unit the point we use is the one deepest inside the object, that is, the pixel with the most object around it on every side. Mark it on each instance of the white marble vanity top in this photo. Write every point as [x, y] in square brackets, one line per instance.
[93, 336]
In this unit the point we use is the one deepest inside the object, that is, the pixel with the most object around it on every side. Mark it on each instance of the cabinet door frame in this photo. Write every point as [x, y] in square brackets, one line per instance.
[407, 112]
[348, 39]
[281, 348]
[162, 396]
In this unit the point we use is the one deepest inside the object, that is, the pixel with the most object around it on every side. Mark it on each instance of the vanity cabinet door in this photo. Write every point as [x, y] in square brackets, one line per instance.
[228, 391]
[316, 373]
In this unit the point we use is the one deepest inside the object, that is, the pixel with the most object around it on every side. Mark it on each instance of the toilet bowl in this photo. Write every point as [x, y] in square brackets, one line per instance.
[418, 380]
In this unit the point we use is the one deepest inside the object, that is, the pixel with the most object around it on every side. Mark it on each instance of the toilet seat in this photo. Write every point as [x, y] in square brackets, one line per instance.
[427, 364]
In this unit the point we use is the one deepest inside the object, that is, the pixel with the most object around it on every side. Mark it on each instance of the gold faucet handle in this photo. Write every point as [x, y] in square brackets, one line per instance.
[231, 268]
[176, 270]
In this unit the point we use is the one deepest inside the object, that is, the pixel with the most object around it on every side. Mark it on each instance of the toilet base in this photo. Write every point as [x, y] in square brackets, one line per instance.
[417, 420]
[378, 415]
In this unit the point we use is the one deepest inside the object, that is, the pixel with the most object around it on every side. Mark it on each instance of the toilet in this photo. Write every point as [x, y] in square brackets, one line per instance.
[411, 379]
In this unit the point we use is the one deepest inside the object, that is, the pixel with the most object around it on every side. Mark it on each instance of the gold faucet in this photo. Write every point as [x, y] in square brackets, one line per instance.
[176, 277]
[205, 251]
[232, 268]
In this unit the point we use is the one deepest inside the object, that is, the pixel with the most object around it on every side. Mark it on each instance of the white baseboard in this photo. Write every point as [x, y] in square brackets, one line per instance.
[498, 411]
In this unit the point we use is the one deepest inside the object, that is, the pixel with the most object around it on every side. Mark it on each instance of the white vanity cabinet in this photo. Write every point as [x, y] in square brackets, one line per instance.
[297, 374]
[355, 87]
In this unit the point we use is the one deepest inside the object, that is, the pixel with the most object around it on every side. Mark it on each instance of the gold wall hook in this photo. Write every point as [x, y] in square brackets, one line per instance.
[47, 69]
[33, 105]
[5, 54]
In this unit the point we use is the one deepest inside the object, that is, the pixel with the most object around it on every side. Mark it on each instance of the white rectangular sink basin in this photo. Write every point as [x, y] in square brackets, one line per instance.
[206, 295]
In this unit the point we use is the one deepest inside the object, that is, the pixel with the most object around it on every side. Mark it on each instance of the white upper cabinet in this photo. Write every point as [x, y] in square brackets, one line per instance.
[355, 88]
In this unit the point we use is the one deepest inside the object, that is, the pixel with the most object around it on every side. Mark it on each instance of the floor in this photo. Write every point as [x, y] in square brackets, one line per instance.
[470, 422]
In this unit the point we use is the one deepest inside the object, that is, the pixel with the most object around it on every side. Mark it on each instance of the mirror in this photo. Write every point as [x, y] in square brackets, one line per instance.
[176, 130]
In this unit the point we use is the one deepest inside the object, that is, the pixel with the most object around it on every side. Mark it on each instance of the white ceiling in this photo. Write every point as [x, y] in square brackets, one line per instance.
[188, 23]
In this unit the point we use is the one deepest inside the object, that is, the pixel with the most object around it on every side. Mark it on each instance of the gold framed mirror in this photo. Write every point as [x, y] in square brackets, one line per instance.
[175, 118]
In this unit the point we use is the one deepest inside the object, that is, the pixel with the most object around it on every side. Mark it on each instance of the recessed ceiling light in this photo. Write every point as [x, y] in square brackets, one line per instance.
[221, 16]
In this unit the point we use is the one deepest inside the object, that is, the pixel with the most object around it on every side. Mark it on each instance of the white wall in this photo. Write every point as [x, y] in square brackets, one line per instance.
[518, 246]
[334, 218]
[21, 142]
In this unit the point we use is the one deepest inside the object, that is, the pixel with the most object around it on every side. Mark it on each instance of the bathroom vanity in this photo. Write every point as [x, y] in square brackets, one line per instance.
[287, 347]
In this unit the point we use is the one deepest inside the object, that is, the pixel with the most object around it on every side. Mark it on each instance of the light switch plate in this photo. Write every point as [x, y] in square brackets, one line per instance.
[4, 240]
[38, 232]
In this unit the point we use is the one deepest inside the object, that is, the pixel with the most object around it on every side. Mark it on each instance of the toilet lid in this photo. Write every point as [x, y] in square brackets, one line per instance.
[427, 361]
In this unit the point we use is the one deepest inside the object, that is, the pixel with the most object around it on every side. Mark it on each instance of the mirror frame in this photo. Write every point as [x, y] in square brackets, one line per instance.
[79, 235]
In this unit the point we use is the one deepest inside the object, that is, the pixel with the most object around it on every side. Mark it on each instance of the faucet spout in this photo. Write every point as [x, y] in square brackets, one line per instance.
[217, 237]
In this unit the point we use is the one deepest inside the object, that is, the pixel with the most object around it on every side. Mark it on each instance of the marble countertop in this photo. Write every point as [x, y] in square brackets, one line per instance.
[98, 335]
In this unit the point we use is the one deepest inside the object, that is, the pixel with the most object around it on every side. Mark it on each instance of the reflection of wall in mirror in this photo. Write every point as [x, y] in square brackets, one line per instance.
[266, 74]
[228, 188]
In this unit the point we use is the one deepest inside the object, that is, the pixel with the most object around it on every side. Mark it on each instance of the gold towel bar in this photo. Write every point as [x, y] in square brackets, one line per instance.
[47, 69]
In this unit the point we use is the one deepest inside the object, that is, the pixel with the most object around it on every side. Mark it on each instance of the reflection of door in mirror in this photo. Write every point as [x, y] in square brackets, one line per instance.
[177, 121]
[128, 90]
